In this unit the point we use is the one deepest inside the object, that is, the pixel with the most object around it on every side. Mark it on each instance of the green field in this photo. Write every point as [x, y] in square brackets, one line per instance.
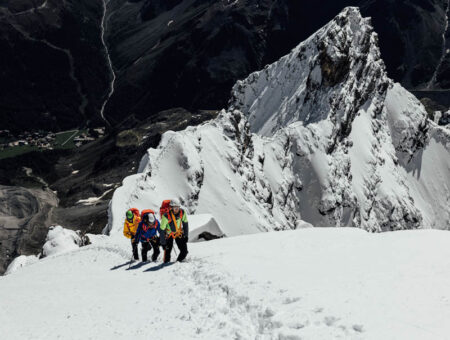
[16, 151]
[63, 140]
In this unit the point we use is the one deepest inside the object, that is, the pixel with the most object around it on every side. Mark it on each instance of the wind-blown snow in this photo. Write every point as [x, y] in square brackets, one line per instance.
[321, 136]
[305, 284]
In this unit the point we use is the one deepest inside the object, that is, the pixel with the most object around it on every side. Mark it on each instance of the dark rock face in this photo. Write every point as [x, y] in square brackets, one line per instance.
[431, 107]
[435, 100]
[333, 72]
[445, 118]
[24, 215]
[207, 236]
[187, 53]
[411, 40]
[53, 74]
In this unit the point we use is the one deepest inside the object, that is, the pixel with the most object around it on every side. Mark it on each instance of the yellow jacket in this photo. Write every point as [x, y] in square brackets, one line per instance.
[129, 229]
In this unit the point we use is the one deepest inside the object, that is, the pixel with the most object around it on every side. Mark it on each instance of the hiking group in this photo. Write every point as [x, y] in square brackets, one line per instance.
[145, 228]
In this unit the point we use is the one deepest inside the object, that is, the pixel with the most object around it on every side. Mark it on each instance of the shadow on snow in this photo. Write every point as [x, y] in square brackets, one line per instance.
[122, 265]
[159, 266]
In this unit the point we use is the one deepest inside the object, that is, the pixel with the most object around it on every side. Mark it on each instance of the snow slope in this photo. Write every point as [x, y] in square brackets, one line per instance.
[321, 137]
[306, 284]
[207, 168]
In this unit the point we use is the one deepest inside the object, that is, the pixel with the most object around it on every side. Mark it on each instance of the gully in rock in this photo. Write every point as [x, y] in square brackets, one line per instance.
[444, 52]
[108, 57]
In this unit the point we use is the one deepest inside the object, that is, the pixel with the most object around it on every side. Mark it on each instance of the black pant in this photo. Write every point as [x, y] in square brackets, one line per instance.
[134, 245]
[146, 246]
[182, 246]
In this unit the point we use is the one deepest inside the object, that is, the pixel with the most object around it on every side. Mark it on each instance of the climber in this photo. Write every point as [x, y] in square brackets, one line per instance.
[148, 234]
[130, 226]
[174, 226]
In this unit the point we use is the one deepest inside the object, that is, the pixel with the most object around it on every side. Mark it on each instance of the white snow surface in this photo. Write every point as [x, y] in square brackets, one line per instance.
[19, 262]
[316, 283]
[60, 240]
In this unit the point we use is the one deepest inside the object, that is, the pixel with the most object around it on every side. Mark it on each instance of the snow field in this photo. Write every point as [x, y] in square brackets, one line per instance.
[313, 283]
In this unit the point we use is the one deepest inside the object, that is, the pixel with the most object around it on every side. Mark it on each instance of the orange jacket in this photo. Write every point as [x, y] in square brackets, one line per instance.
[129, 229]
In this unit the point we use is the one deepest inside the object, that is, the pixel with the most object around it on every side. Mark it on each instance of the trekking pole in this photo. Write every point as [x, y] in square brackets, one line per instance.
[131, 261]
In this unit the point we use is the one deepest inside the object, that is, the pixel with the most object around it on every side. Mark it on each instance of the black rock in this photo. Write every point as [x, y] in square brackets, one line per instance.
[53, 72]
[24, 217]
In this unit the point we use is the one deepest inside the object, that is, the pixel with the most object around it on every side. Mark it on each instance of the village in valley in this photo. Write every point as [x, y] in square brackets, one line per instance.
[11, 145]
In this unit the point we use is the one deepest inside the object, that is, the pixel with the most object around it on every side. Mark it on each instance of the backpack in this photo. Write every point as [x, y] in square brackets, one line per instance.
[165, 207]
[147, 211]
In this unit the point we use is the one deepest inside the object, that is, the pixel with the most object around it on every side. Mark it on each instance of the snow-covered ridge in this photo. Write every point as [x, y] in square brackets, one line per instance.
[213, 168]
[320, 137]
[328, 76]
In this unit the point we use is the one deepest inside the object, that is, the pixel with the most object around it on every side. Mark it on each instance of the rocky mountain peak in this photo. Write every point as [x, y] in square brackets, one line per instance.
[321, 136]
[328, 76]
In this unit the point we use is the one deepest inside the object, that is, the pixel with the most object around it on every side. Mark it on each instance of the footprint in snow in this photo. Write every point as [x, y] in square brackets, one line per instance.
[297, 325]
[358, 328]
[318, 310]
[289, 300]
[330, 320]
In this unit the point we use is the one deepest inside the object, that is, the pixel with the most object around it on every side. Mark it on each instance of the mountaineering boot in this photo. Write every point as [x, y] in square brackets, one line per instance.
[155, 245]
[182, 245]
[134, 245]
[168, 250]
